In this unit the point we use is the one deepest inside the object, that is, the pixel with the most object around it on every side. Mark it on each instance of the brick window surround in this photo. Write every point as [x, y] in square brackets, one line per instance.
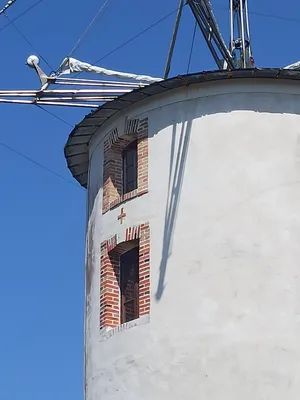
[113, 163]
[110, 309]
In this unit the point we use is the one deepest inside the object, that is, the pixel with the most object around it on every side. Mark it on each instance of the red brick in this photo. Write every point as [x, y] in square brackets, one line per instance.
[112, 167]
[109, 273]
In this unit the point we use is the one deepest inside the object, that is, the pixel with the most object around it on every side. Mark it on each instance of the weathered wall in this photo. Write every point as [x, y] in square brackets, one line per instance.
[224, 214]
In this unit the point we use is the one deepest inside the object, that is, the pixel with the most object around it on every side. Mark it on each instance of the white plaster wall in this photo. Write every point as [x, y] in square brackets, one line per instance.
[224, 212]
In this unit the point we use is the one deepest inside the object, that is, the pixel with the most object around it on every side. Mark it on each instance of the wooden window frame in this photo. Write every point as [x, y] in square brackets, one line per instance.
[135, 290]
[132, 146]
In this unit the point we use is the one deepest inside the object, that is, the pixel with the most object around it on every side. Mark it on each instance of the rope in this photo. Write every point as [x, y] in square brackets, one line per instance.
[8, 4]
[192, 48]
[132, 38]
[36, 163]
[137, 35]
[27, 41]
[93, 22]
[55, 116]
[22, 14]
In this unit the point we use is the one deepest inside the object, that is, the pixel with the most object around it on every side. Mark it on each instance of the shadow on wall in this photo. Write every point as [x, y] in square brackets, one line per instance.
[176, 173]
[204, 106]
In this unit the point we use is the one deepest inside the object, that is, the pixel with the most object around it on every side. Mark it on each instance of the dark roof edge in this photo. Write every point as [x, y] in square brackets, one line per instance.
[77, 147]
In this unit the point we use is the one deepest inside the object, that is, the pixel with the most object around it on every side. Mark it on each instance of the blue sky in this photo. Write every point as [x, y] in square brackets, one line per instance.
[43, 216]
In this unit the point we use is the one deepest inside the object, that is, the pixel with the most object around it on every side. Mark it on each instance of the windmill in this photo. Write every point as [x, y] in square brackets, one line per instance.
[212, 236]
[91, 93]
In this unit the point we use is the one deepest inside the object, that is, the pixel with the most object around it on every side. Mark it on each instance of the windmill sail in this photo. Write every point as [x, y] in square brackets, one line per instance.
[71, 65]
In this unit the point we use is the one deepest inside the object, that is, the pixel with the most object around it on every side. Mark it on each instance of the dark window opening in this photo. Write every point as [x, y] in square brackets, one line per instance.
[130, 167]
[129, 285]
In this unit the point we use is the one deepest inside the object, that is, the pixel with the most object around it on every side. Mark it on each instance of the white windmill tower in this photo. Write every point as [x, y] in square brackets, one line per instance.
[193, 223]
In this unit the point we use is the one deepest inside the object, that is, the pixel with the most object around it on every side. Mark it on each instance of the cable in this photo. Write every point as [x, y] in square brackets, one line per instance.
[192, 48]
[39, 165]
[54, 115]
[27, 41]
[133, 38]
[20, 154]
[21, 15]
[290, 19]
[85, 33]
[36, 162]
[171, 13]
[167, 16]
[138, 35]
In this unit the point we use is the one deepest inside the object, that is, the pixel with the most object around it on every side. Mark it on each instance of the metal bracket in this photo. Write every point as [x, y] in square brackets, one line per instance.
[33, 62]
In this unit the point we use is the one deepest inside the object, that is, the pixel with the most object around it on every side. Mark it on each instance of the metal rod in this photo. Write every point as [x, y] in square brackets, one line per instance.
[30, 93]
[173, 40]
[206, 31]
[207, 23]
[97, 84]
[12, 93]
[91, 91]
[86, 98]
[69, 104]
[8, 4]
[33, 102]
[248, 27]
[17, 101]
[101, 81]
[243, 34]
[231, 26]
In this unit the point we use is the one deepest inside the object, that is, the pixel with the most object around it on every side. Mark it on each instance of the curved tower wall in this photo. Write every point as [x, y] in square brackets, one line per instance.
[223, 210]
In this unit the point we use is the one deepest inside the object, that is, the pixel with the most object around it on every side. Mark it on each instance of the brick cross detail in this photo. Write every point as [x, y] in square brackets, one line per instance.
[121, 216]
